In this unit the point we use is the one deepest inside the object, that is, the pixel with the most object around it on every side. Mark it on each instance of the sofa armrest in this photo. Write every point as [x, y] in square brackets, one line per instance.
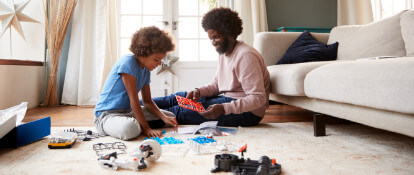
[273, 45]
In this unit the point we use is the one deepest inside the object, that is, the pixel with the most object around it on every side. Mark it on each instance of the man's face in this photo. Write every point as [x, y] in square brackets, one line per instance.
[218, 40]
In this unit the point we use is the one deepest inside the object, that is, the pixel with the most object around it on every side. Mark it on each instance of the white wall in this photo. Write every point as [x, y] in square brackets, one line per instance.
[21, 83]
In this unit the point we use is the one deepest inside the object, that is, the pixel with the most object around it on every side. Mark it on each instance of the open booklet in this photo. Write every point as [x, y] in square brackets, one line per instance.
[193, 130]
[207, 128]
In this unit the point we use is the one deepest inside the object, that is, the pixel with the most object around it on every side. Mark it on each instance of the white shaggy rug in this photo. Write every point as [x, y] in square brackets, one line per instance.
[348, 149]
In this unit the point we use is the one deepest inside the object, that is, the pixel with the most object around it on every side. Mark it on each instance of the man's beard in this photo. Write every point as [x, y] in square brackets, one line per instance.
[223, 46]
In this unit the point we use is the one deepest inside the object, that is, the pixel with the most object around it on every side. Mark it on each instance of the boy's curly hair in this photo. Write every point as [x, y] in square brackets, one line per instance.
[223, 20]
[150, 40]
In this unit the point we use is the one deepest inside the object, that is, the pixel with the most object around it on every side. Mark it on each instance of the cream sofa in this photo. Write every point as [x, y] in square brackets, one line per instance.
[377, 93]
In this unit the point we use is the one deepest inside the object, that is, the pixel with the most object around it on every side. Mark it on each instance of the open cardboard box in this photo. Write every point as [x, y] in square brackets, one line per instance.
[14, 134]
[7, 126]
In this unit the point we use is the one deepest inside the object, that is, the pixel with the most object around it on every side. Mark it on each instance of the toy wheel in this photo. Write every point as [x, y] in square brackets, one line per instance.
[156, 149]
[264, 160]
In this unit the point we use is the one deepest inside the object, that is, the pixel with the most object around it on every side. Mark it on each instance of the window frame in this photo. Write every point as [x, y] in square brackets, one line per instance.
[170, 16]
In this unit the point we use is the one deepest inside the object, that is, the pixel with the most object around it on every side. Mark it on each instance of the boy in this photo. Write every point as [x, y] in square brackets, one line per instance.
[118, 112]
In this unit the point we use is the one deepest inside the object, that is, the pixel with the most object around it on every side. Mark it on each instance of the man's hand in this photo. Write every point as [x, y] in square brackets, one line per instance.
[213, 111]
[194, 95]
[152, 133]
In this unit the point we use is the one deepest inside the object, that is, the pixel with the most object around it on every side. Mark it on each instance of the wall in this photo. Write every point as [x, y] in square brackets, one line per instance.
[21, 83]
[24, 83]
[29, 83]
[301, 13]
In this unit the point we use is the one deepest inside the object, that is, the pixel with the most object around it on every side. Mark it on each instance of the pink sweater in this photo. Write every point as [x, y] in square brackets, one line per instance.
[241, 75]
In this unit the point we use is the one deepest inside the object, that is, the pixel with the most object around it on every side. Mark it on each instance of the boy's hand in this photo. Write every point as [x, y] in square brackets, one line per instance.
[152, 133]
[213, 111]
[171, 121]
[169, 118]
[194, 95]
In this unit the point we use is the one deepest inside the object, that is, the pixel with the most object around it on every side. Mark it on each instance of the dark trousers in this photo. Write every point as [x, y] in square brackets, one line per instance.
[188, 117]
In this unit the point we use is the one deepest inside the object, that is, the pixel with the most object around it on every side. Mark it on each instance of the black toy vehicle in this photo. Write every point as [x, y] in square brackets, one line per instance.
[231, 162]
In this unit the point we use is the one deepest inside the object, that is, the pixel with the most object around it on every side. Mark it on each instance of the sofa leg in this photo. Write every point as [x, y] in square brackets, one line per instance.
[321, 120]
[319, 125]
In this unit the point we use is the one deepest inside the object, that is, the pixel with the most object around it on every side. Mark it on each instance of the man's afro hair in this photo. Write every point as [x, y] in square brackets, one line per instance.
[223, 20]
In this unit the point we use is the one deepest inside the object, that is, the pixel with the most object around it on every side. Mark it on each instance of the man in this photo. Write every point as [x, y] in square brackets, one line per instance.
[239, 92]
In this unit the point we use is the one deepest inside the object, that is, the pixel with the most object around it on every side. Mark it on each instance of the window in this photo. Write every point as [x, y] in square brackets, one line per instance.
[181, 17]
[385, 8]
[193, 41]
[133, 16]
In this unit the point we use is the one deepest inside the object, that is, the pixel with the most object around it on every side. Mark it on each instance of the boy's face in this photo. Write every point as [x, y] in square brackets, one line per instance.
[152, 61]
[218, 40]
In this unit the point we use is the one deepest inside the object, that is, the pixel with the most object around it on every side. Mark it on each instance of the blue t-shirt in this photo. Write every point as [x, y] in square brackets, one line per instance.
[114, 95]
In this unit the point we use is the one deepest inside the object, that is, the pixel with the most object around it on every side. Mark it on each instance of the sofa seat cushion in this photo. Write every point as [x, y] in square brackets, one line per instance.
[287, 79]
[380, 38]
[386, 84]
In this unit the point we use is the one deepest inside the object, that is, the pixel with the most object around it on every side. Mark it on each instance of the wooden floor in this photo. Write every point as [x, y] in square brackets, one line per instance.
[83, 116]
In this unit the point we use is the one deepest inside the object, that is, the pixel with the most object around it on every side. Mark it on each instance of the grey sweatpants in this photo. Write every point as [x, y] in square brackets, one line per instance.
[122, 124]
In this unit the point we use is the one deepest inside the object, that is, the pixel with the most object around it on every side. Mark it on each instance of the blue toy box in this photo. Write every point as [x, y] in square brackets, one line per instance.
[26, 133]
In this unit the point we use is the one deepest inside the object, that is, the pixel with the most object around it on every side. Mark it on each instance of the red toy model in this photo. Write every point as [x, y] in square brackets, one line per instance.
[189, 104]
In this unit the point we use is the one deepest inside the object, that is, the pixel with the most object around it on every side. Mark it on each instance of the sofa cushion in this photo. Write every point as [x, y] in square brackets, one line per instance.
[382, 84]
[272, 45]
[287, 79]
[307, 49]
[407, 30]
[380, 38]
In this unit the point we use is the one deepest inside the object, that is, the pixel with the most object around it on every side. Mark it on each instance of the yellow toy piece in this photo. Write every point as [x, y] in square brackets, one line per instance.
[62, 140]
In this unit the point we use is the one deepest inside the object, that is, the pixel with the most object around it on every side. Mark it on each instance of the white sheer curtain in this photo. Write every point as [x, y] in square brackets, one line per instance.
[92, 50]
[384, 8]
[253, 14]
[354, 12]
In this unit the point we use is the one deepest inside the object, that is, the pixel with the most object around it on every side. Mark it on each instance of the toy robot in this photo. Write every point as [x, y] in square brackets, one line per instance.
[231, 162]
[150, 150]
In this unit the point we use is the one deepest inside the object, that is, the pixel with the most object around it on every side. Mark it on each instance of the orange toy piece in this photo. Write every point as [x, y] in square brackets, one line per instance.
[243, 148]
[189, 104]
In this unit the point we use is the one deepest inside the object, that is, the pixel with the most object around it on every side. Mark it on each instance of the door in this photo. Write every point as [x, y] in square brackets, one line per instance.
[197, 58]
